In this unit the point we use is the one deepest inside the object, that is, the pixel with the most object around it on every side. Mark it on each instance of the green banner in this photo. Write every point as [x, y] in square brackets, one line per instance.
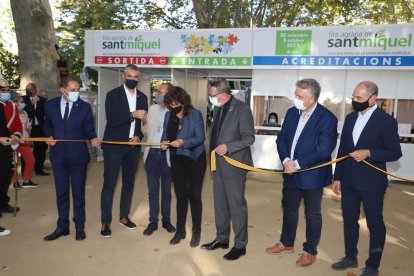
[210, 61]
[293, 42]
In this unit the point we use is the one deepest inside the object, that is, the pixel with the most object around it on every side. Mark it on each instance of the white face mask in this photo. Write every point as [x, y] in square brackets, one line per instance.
[73, 96]
[214, 101]
[299, 104]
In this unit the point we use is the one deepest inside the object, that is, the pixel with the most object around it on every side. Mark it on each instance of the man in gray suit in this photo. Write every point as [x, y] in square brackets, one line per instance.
[232, 135]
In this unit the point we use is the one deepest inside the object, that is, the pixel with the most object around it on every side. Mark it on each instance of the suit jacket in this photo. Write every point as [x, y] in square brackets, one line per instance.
[191, 130]
[314, 147]
[148, 129]
[237, 132]
[80, 126]
[118, 117]
[380, 136]
[38, 112]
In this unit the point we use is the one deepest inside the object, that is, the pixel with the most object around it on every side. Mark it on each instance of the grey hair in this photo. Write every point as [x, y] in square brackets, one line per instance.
[221, 84]
[312, 85]
[131, 67]
[370, 87]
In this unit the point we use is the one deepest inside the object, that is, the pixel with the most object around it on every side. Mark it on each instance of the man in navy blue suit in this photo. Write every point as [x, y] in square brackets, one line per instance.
[125, 107]
[69, 118]
[368, 134]
[307, 138]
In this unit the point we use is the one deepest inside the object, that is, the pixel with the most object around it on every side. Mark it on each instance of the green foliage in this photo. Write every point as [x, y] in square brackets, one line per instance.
[9, 66]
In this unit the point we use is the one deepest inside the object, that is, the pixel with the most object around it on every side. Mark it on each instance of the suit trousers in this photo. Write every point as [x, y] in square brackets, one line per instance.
[187, 176]
[5, 174]
[158, 171]
[292, 196]
[39, 148]
[373, 203]
[230, 205]
[70, 175]
[126, 157]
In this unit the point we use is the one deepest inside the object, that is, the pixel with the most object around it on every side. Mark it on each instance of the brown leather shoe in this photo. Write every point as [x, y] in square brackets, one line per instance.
[279, 248]
[305, 259]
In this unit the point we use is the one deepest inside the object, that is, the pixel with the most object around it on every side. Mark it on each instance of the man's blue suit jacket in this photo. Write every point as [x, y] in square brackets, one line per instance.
[380, 136]
[315, 145]
[118, 117]
[80, 126]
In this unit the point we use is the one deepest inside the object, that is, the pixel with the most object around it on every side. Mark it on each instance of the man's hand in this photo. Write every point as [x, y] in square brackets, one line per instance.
[290, 167]
[5, 141]
[336, 187]
[140, 114]
[51, 142]
[360, 155]
[134, 139]
[96, 143]
[14, 138]
[164, 145]
[221, 150]
[177, 143]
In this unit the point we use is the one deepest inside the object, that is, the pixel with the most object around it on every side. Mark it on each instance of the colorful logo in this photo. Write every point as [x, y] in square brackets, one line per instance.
[218, 44]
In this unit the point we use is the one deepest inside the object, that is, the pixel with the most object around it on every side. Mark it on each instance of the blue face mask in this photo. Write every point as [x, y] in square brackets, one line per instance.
[22, 106]
[73, 96]
[29, 92]
[131, 84]
[5, 97]
[159, 99]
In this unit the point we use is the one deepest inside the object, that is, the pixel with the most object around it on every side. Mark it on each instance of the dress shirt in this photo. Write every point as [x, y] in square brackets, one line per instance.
[63, 106]
[159, 127]
[34, 101]
[361, 122]
[132, 102]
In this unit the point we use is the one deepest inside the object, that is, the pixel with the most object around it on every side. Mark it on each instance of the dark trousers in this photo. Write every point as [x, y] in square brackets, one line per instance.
[187, 176]
[5, 174]
[39, 148]
[70, 175]
[121, 156]
[373, 202]
[292, 196]
[158, 169]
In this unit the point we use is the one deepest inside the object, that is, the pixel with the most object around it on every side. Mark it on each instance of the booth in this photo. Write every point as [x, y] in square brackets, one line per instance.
[263, 66]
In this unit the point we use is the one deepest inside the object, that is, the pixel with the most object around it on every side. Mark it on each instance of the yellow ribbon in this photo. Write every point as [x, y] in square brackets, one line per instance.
[44, 139]
[240, 165]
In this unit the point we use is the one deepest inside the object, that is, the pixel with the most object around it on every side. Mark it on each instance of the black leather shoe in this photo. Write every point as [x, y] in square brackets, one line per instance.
[168, 226]
[56, 234]
[9, 209]
[42, 173]
[368, 271]
[234, 254]
[106, 231]
[214, 245]
[80, 234]
[177, 238]
[344, 263]
[195, 239]
[150, 229]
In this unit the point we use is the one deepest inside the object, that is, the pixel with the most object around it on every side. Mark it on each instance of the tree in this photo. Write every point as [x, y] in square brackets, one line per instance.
[36, 41]
[9, 66]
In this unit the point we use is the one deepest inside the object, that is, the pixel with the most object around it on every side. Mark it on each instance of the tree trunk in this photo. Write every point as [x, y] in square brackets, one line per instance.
[208, 12]
[36, 41]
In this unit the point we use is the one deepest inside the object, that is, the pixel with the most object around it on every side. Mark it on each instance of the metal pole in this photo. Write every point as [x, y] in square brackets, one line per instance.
[16, 188]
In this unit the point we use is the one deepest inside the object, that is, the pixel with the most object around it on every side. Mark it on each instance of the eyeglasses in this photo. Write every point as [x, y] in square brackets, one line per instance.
[213, 96]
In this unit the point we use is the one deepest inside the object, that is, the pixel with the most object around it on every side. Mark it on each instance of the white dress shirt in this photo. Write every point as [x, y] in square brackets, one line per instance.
[361, 122]
[63, 106]
[132, 102]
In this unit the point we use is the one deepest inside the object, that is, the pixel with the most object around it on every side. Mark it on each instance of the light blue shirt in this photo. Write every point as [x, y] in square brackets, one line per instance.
[361, 122]
[63, 106]
[157, 131]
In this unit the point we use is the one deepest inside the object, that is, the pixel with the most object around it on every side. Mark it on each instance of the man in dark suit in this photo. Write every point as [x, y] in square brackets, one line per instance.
[232, 135]
[125, 107]
[368, 134]
[69, 118]
[36, 111]
[307, 138]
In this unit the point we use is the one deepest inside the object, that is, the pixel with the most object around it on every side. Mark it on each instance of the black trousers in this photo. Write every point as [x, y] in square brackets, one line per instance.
[187, 176]
[5, 174]
[39, 148]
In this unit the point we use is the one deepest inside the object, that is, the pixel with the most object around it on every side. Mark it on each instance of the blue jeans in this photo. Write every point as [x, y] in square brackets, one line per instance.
[292, 197]
[157, 169]
[127, 158]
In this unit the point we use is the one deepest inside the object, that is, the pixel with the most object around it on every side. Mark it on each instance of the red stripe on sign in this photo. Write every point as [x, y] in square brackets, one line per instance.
[131, 60]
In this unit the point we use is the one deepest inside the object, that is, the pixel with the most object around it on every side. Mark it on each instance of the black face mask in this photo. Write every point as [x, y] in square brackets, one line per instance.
[177, 109]
[361, 106]
[131, 84]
